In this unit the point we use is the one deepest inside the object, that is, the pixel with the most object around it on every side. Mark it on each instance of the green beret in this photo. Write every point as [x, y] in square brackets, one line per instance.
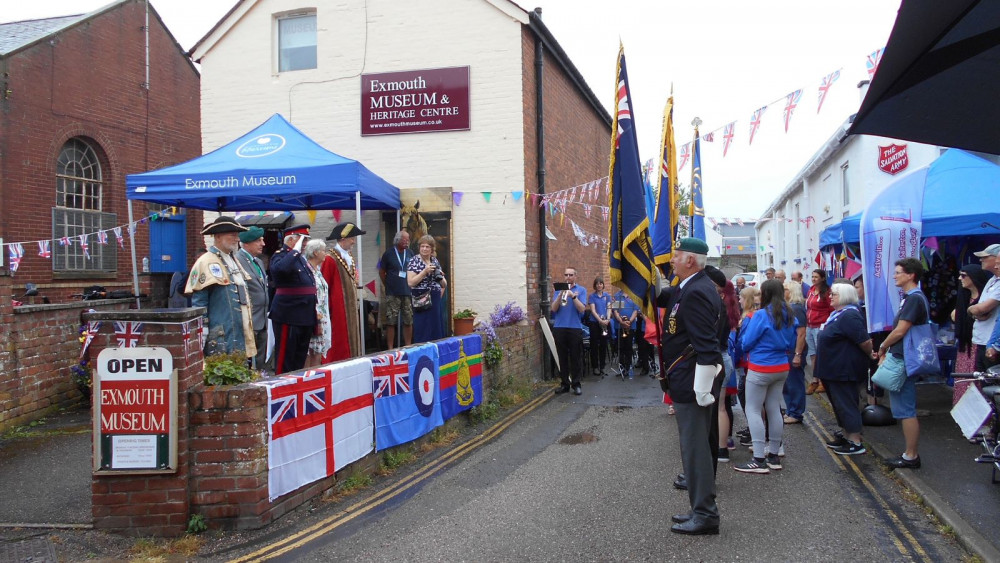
[251, 234]
[692, 245]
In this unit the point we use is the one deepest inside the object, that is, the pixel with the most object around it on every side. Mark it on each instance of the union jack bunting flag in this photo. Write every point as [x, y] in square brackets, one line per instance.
[186, 333]
[119, 237]
[64, 241]
[685, 155]
[604, 213]
[102, 237]
[200, 331]
[824, 87]
[755, 122]
[709, 137]
[127, 333]
[93, 327]
[727, 137]
[587, 209]
[43, 249]
[85, 246]
[16, 253]
[391, 374]
[791, 102]
[871, 63]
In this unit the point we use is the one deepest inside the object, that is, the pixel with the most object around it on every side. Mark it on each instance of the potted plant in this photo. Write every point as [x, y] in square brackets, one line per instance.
[464, 320]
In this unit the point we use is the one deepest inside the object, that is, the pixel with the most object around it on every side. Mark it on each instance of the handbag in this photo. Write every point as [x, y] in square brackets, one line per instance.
[920, 347]
[422, 302]
[890, 378]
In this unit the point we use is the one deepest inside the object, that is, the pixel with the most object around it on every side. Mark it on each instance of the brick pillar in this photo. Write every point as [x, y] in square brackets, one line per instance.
[151, 504]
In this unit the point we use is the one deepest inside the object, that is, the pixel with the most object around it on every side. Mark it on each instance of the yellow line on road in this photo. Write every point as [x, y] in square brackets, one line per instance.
[367, 504]
[818, 428]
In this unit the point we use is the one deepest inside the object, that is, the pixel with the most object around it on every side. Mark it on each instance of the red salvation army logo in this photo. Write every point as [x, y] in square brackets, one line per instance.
[892, 159]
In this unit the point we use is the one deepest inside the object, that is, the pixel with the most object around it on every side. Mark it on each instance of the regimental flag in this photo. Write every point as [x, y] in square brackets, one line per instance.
[791, 102]
[44, 250]
[410, 414]
[727, 137]
[461, 374]
[630, 254]
[824, 87]
[128, 333]
[697, 198]
[871, 63]
[755, 122]
[16, 252]
[118, 235]
[685, 155]
[318, 421]
[666, 207]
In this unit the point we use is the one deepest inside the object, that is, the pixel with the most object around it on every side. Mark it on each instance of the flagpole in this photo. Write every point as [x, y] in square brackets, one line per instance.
[135, 272]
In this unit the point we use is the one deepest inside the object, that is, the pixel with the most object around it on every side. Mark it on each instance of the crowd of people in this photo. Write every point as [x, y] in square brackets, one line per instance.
[301, 309]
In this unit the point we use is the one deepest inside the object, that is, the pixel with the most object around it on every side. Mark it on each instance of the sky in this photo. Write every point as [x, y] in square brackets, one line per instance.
[723, 59]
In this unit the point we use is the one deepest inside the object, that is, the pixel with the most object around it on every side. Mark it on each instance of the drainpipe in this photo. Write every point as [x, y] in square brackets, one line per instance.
[543, 240]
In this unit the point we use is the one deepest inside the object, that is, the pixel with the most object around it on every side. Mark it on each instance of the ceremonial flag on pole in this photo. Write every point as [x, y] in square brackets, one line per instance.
[824, 87]
[414, 409]
[629, 256]
[697, 204]
[461, 374]
[755, 122]
[727, 137]
[666, 209]
[791, 102]
[318, 421]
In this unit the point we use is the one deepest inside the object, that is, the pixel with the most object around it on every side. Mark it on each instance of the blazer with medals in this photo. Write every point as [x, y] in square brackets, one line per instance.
[692, 318]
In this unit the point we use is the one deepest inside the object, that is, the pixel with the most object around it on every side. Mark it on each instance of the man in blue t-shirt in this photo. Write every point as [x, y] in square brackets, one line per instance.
[567, 311]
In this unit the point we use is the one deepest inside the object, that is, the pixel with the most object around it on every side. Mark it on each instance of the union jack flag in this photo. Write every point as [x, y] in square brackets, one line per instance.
[43, 249]
[714, 223]
[709, 137]
[755, 122]
[64, 241]
[824, 87]
[685, 155]
[391, 374]
[118, 235]
[791, 102]
[306, 396]
[93, 327]
[102, 237]
[85, 246]
[727, 137]
[587, 209]
[871, 63]
[16, 253]
[200, 331]
[127, 333]
[604, 212]
[624, 111]
[739, 222]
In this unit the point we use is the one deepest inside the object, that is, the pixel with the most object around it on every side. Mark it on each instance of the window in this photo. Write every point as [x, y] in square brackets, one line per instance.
[297, 42]
[845, 185]
[79, 200]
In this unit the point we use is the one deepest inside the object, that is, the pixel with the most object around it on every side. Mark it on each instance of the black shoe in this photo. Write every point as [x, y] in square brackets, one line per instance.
[680, 518]
[681, 482]
[838, 441]
[773, 462]
[577, 390]
[901, 462]
[561, 390]
[696, 527]
[850, 449]
[746, 441]
[745, 433]
[723, 456]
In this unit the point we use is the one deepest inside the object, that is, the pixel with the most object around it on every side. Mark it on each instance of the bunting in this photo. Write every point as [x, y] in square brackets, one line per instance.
[685, 154]
[872, 62]
[16, 253]
[84, 246]
[44, 250]
[727, 137]
[791, 102]
[755, 122]
[118, 235]
[824, 87]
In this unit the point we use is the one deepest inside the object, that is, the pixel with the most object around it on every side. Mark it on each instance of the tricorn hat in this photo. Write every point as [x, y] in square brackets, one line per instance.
[345, 230]
[223, 224]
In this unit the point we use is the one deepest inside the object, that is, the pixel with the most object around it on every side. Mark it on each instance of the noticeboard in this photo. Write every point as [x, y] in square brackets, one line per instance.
[135, 411]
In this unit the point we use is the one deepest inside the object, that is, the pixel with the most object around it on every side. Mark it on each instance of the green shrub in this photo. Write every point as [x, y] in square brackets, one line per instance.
[464, 314]
[493, 354]
[197, 524]
[228, 369]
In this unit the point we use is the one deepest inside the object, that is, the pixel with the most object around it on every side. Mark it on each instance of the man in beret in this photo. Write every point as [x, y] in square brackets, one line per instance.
[342, 276]
[218, 283]
[293, 301]
[693, 360]
[251, 248]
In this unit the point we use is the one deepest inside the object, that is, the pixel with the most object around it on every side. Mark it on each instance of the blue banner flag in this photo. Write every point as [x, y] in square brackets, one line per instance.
[406, 395]
[629, 251]
[461, 375]
[697, 201]
[666, 213]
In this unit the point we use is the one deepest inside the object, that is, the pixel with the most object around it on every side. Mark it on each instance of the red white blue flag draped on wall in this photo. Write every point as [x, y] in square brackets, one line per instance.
[407, 414]
[461, 374]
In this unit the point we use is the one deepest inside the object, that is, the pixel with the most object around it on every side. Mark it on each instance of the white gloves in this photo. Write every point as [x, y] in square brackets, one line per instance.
[704, 376]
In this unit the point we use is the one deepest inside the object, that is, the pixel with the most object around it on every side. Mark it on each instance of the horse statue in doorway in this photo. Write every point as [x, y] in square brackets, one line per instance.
[412, 222]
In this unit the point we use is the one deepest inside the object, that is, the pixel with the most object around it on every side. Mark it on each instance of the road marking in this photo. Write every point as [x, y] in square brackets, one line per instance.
[846, 463]
[367, 504]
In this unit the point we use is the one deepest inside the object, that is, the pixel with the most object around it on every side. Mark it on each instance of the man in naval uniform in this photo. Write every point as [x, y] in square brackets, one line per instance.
[293, 301]
[693, 359]
[218, 283]
[341, 275]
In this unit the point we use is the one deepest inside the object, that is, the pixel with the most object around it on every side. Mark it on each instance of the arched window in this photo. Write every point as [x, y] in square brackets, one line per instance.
[77, 218]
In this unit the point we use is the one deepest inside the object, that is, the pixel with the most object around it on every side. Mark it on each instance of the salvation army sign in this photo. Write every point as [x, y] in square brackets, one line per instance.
[892, 159]
[415, 101]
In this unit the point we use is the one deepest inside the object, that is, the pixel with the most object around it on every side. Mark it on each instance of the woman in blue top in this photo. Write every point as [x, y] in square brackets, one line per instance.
[599, 303]
[767, 339]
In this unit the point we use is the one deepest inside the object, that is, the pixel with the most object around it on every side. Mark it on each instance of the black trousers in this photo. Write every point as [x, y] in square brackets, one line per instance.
[291, 346]
[569, 343]
[598, 347]
[843, 397]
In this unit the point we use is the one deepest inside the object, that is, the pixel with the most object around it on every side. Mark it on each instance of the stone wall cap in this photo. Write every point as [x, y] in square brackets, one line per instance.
[177, 315]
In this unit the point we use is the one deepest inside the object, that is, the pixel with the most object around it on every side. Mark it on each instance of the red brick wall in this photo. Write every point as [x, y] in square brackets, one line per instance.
[522, 346]
[86, 82]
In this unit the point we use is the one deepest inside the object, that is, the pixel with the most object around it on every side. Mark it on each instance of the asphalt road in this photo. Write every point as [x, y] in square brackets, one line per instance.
[589, 478]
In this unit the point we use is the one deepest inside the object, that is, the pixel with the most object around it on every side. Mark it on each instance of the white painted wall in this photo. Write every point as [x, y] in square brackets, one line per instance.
[241, 88]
